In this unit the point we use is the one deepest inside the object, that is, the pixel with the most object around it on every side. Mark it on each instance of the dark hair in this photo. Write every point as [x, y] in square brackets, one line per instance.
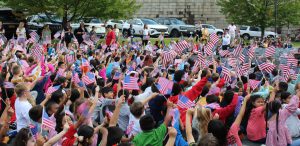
[22, 137]
[215, 77]
[228, 96]
[284, 95]
[176, 89]
[203, 74]
[106, 90]
[252, 76]
[49, 105]
[35, 113]
[212, 98]
[137, 109]
[124, 92]
[218, 129]
[75, 94]
[283, 86]
[249, 108]
[147, 122]
[274, 107]
[87, 132]
[114, 135]
[204, 91]
[178, 75]
[57, 96]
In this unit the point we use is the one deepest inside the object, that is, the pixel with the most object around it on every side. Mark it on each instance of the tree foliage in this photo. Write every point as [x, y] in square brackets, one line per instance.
[261, 13]
[76, 9]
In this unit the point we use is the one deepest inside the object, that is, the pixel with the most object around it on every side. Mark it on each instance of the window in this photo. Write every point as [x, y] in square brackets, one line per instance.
[177, 22]
[254, 29]
[243, 28]
[148, 21]
[166, 22]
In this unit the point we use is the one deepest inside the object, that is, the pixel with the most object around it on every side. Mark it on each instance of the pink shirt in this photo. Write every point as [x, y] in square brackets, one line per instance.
[256, 128]
[283, 137]
[233, 136]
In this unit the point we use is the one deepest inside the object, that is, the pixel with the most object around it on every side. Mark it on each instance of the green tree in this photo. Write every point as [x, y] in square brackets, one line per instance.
[261, 13]
[76, 9]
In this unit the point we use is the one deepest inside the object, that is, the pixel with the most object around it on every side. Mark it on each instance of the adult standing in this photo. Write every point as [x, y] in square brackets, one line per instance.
[110, 36]
[146, 35]
[80, 32]
[2, 30]
[232, 30]
[198, 31]
[21, 34]
[225, 40]
[68, 33]
[131, 33]
[116, 30]
[46, 34]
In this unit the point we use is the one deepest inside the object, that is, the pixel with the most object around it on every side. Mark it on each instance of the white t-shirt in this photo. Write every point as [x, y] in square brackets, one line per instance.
[232, 29]
[22, 113]
[144, 95]
[226, 40]
[22, 32]
[133, 127]
[117, 32]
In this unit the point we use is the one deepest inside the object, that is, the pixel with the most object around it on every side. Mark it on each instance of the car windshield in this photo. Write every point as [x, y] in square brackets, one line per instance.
[149, 21]
[177, 22]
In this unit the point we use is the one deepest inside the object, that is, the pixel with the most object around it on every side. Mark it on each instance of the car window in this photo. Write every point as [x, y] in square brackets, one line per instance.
[254, 29]
[177, 22]
[113, 21]
[243, 28]
[148, 21]
[160, 21]
[210, 27]
[204, 26]
[95, 21]
[130, 21]
[166, 22]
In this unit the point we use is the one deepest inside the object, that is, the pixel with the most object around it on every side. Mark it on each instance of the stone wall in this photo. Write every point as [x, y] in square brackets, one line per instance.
[191, 11]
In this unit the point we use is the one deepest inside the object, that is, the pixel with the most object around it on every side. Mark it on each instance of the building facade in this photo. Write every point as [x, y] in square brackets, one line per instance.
[190, 11]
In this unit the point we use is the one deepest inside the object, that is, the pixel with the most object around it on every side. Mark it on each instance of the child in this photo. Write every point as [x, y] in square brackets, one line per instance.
[293, 122]
[278, 133]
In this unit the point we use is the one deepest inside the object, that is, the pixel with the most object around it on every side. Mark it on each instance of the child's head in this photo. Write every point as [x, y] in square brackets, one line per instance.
[75, 94]
[125, 93]
[35, 113]
[208, 140]
[274, 106]
[62, 119]
[203, 116]
[228, 96]
[218, 129]
[212, 99]
[256, 101]
[24, 138]
[51, 108]
[85, 134]
[22, 90]
[285, 97]
[137, 109]
[107, 92]
[282, 86]
[114, 136]
[57, 96]
[147, 122]
[16, 70]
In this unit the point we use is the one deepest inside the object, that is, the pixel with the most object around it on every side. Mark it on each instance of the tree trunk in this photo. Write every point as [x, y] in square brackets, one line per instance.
[65, 19]
[263, 28]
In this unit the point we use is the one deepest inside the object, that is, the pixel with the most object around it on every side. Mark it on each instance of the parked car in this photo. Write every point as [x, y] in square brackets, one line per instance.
[37, 23]
[11, 20]
[114, 22]
[176, 27]
[212, 29]
[89, 23]
[138, 25]
[248, 32]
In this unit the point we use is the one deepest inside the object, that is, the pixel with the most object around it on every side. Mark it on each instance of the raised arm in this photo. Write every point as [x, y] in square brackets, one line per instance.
[57, 137]
[114, 119]
[188, 125]
[153, 95]
[242, 111]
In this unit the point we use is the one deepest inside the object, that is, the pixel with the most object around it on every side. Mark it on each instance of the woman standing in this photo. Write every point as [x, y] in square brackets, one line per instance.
[21, 34]
[46, 34]
[146, 35]
[68, 33]
[2, 30]
[80, 32]
[116, 30]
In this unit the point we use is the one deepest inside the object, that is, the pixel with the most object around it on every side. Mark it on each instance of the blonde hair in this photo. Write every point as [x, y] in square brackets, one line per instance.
[203, 116]
[20, 88]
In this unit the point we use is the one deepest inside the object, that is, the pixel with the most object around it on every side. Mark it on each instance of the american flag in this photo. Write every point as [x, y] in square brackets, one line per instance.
[250, 54]
[184, 102]
[52, 89]
[85, 62]
[46, 121]
[226, 74]
[168, 56]
[237, 51]
[293, 74]
[70, 59]
[214, 38]
[117, 75]
[34, 37]
[37, 52]
[164, 85]
[33, 130]
[180, 46]
[62, 34]
[245, 68]
[114, 47]
[241, 58]
[291, 60]
[130, 83]
[57, 34]
[223, 53]
[75, 41]
[232, 62]
[60, 73]
[208, 49]
[89, 78]
[253, 83]
[175, 116]
[285, 71]
[270, 51]
[268, 67]
[238, 71]
[201, 57]
[75, 78]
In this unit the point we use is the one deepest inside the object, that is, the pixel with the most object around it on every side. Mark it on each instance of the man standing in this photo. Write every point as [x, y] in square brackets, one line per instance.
[225, 40]
[232, 29]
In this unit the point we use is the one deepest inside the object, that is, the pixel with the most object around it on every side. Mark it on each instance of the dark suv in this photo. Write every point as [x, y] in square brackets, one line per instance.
[11, 20]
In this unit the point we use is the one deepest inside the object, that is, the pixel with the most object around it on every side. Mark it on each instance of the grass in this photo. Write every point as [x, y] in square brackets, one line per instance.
[296, 44]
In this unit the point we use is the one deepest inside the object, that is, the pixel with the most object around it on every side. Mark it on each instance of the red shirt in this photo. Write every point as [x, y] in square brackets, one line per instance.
[110, 36]
[69, 138]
